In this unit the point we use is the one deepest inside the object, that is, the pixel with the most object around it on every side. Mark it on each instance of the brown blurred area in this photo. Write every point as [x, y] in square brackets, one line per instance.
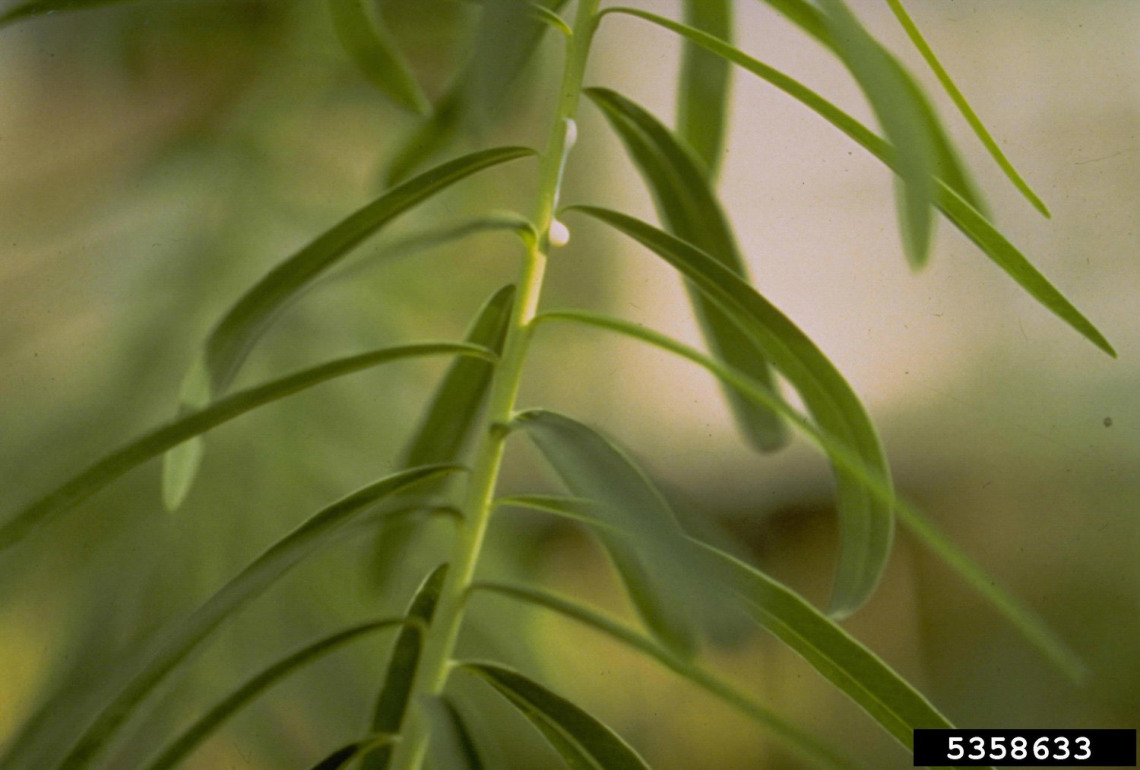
[157, 158]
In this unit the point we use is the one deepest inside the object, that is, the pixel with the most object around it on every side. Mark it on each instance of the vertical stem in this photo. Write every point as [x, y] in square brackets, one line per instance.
[439, 644]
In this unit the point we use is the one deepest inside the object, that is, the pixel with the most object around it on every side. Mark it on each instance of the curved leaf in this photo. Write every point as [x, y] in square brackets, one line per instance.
[147, 673]
[956, 204]
[392, 702]
[651, 562]
[376, 53]
[901, 119]
[189, 739]
[689, 209]
[451, 741]
[964, 107]
[112, 466]
[1027, 622]
[34, 8]
[794, 737]
[582, 741]
[703, 92]
[342, 757]
[866, 523]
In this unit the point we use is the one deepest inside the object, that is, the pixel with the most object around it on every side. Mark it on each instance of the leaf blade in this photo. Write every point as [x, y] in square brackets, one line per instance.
[451, 741]
[36, 8]
[376, 54]
[704, 89]
[582, 740]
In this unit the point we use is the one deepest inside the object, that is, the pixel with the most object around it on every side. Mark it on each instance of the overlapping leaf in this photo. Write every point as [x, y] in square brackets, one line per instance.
[866, 523]
[376, 54]
[689, 209]
[451, 742]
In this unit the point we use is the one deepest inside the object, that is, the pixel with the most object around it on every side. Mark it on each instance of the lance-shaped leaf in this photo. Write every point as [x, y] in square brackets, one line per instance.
[203, 728]
[866, 522]
[704, 87]
[392, 702]
[449, 423]
[374, 51]
[579, 738]
[958, 206]
[235, 335]
[649, 549]
[147, 672]
[689, 209]
[104, 471]
[901, 119]
[451, 743]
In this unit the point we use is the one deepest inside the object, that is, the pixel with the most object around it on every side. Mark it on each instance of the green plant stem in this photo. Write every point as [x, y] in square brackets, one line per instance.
[439, 644]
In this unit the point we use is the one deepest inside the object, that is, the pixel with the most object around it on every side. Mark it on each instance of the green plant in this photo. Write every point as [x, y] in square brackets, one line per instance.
[683, 589]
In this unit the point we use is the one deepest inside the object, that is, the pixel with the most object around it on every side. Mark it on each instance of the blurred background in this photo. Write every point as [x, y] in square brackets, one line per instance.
[156, 158]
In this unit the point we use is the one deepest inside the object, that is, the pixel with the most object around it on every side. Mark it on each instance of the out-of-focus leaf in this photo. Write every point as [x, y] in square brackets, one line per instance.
[795, 738]
[581, 740]
[703, 90]
[451, 743]
[448, 424]
[549, 18]
[189, 739]
[430, 137]
[147, 671]
[964, 107]
[866, 523]
[112, 466]
[31, 10]
[850, 666]
[966, 216]
[392, 702]
[342, 757]
[375, 52]
[689, 209]
[1024, 619]
[235, 335]
[902, 120]
[651, 559]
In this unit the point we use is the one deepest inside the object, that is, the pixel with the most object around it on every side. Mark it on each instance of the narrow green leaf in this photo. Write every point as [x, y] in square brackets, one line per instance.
[850, 666]
[802, 742]
[448, 425]
[345, 755]
[374, 50]
[451, 743]
[954, 203]
[147, 672]
[703, 93]
[582, 741]
[1027, 622]
[181, 747]
[550, 18]
[689, 209]
[866, 523]
[901, 119]
[34, 8]
[652, 563]
[392, 702]
[964, 107]
[430, 137]
[101, 473]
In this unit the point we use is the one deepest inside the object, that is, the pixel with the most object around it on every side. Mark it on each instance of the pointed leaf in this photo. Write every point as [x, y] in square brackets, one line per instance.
[112, 466]
[342, 757]
[451, 742]
[392, 702]
[582, 741]
[375, 52]
[651, 563]
[690, 210]
[147, 672]
[203, 728]
[703, 91]
[866, 523]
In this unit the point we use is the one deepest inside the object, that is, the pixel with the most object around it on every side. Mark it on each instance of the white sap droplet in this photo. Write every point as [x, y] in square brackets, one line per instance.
[559, 234]
[571, 134]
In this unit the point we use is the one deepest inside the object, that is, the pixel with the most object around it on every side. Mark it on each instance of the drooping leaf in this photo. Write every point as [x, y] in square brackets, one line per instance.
[1024, 619]
[147, 672]
[448, 425]
[549, 18]
[802, 742]
[866, 523]
[451, 743]
[964, 107]
[34, 8]
[689, 210]
[392, 702]
[581, 740]
[652, 563]
[181, 747]
[101, 473]
[375, 52]
[900, 118]
[704, 87]
[234, 336]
